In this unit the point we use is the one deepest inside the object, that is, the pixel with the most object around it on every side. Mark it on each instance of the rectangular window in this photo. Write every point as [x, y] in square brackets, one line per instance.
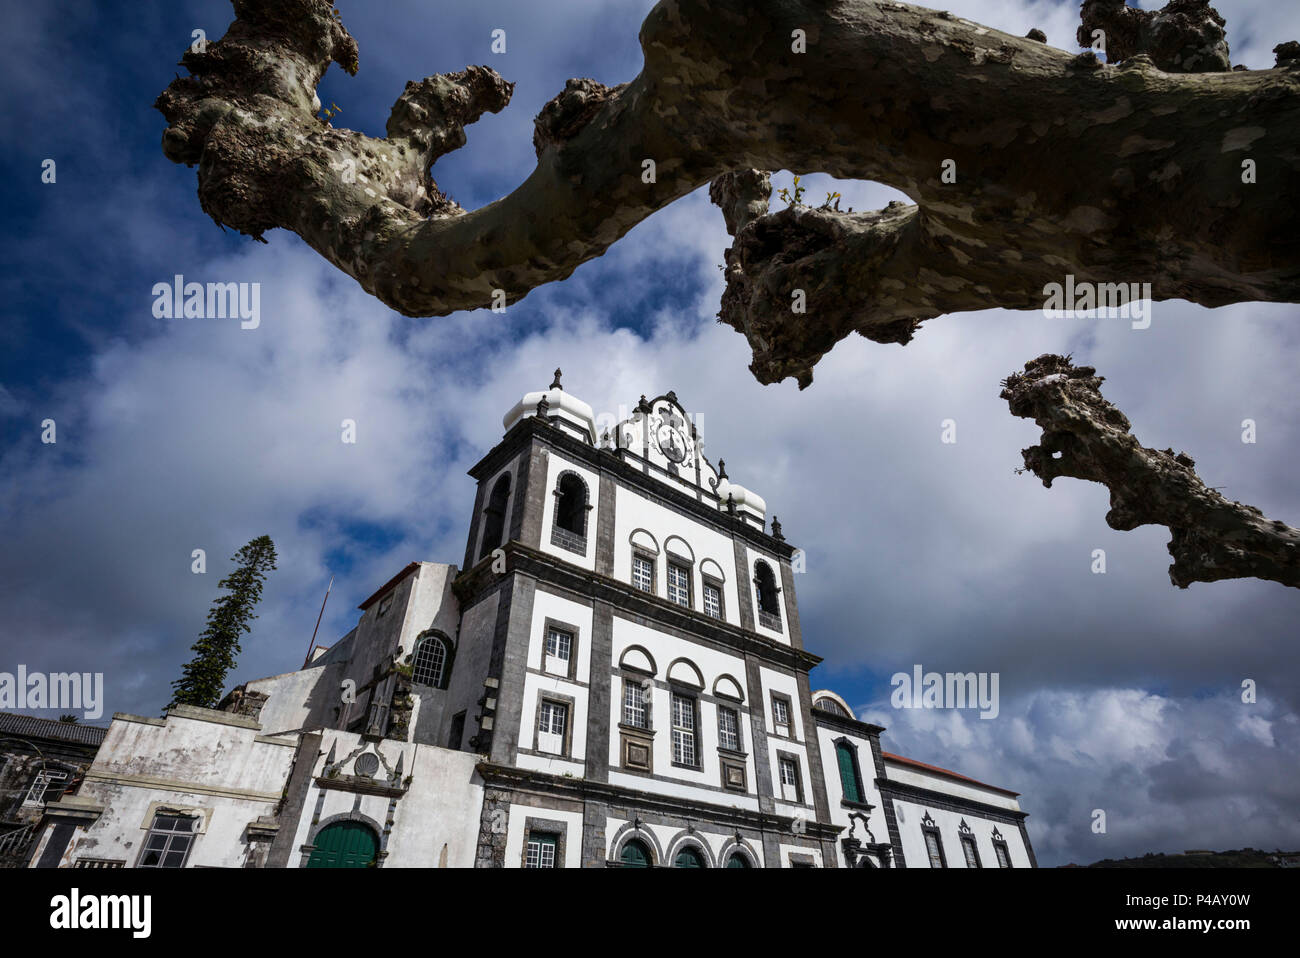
[932, 847]
[968, 849]
[169, 841]
[849, 780]
[712, 601]
[1004, 860]
[781, 716]
[679, 584]
[46, 787]
[553, 718]
[791, 787]
[684, 730]
[559, 646]
[643, 573]
[635, 713]
[728, 728]
[541, 851]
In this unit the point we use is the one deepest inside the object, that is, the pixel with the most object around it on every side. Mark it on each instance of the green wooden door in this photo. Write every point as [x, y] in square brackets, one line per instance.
[848, 773]
[634, 855]
[737, 861]
[344, 845]
[688, 858]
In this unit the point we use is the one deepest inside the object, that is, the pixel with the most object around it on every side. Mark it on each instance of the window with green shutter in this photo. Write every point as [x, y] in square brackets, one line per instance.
[848, 772]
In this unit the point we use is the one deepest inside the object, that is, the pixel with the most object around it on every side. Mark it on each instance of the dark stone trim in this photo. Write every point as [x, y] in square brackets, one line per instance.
[1024, 837]
[605, 526]
[791, 604]
[295, 800]
[359, 785]
[950, 803]
[812, 745]
[887, 803]
[509, 663]
[688, 839]
[841, 723]
[599, 691]
[475, 525]
[758, 738]
[667, 617]
[527, 781]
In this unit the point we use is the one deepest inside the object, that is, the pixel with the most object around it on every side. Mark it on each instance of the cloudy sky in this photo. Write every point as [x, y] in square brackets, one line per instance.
[1118, 691]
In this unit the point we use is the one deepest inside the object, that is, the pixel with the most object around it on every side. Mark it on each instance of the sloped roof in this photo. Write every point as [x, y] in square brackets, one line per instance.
[31, 726]
[901, 760]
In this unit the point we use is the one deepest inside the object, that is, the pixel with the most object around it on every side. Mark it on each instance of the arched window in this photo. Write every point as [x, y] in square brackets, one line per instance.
[737, 860]
[850, 777]
[569, 528]
[430, 662]
[635, 854]
[494, 516]
[769, 605]
[832, 706]
[689, 857]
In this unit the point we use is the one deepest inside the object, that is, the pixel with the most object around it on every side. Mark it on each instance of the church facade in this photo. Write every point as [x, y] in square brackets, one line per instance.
[615, 676]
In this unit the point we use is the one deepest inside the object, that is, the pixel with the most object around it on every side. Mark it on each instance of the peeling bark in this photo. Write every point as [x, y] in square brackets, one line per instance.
[1064, 165]
[1086, 437]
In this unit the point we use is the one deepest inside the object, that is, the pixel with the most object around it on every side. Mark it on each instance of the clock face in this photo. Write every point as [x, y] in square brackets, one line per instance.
[671, 442]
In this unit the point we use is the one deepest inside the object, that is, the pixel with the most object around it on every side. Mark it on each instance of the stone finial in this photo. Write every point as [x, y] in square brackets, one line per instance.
[542, 406]
[671, 396]
[731, 503]
[722, 470]
[643, 406]
[776, 529]
[555, 384]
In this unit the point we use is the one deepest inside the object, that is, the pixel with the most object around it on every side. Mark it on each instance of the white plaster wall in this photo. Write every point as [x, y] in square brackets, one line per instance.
[909, 775]
[432, 605]
[549, 606]
[556, 464]
[633, 511]
[228, 774]
[442, 804]
[286, 709]
[711, 663]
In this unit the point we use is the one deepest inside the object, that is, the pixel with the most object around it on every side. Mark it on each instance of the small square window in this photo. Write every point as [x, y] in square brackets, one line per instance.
[684, 752]
[781, 716]
[791, 785]
[541, 851]
[679, 584]
[728, 728]
[643, 573]
[635, 712]
[553, 719]
[712, 601]
[559, 647]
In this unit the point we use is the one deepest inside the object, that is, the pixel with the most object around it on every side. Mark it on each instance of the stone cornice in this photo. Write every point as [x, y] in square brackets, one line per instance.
[474, 583]
[843, 724]
[924, 796]
[581, 789]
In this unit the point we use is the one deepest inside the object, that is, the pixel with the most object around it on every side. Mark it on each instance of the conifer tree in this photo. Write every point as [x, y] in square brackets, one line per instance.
[204, 677]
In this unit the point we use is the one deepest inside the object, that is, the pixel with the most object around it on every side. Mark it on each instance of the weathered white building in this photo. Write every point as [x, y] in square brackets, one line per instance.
[617, 678]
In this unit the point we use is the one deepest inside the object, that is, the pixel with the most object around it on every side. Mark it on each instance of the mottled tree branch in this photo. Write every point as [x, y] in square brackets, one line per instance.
[1085, 437]
[1114, 173]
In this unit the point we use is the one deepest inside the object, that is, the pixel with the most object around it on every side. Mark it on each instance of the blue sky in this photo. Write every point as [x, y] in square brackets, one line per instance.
[1118, 691]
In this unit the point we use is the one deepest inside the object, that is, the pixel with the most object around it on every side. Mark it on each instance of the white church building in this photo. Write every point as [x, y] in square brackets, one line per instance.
[615, 677]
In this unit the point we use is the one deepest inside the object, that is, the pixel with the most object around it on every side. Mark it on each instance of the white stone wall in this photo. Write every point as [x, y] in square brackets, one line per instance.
[203, 762]
[840, 815]
[706, 544]
[440, 808]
